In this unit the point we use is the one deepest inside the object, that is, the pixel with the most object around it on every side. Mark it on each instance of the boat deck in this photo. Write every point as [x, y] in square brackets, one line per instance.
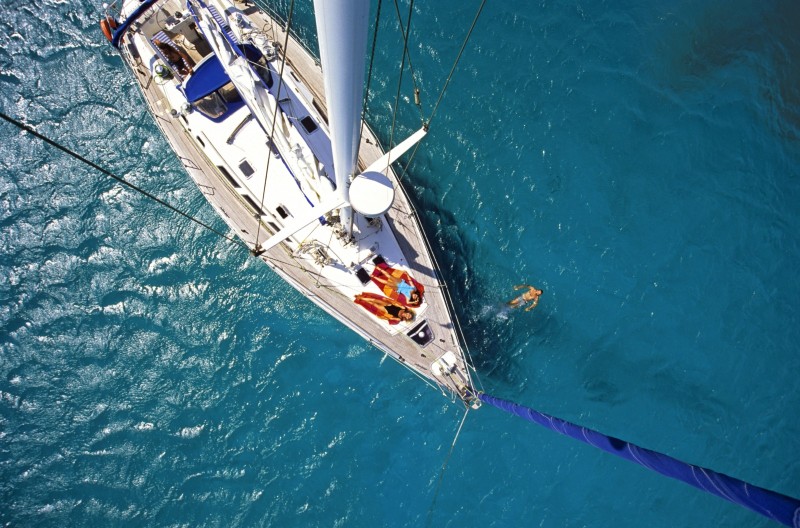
[305, 276]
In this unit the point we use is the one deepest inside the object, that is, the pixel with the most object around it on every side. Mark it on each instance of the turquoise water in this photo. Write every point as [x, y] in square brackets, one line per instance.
[637, 161]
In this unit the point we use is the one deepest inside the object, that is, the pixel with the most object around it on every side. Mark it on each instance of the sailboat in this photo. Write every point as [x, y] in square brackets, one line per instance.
[275, 141]
[293, 175]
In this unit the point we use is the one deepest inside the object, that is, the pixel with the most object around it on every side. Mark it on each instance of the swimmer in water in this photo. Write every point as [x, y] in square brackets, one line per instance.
[531, 295]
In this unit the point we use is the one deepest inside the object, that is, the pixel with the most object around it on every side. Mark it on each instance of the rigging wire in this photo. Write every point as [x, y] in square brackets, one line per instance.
[406, 35]
[274, 120]
[402, 65]
[444, 467]
[455, 63]
[369, 79]
[82, 159]
[427, 123]
[410, 159]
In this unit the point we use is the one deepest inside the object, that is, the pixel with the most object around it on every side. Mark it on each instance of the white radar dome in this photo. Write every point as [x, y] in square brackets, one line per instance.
[371, 194]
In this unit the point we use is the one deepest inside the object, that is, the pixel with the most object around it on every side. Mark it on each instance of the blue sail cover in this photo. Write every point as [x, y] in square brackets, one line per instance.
[781, 508]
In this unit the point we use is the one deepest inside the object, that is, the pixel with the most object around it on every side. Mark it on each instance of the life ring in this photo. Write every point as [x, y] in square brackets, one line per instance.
[107, 26]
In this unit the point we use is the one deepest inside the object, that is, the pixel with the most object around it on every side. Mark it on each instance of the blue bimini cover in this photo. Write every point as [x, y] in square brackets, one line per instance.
[208, 77]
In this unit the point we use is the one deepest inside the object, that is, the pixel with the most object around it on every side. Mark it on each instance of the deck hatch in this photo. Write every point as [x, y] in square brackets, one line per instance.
[421, 334]
[246, 169]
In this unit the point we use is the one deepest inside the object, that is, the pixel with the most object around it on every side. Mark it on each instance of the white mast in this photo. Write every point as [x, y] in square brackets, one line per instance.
[342, 33]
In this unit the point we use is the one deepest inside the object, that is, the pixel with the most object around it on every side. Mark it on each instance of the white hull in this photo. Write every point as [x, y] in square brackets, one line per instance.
[260, 176]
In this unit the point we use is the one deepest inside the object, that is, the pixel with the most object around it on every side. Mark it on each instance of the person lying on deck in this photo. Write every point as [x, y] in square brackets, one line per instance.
[531, 295]
[177, 57]
[384, 308]
[398, 285]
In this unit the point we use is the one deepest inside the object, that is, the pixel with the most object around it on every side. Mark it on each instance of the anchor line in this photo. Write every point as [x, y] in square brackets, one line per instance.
[444, 467]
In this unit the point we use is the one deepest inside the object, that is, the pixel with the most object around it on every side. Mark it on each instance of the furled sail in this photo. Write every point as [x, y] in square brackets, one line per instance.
[774, 505]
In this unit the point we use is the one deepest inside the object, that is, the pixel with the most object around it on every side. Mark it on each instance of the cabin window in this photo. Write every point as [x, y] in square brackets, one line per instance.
[246, 169]
[202, 143]
[282, 211]
[254, 205]
[211, 106]
[228, 177]
[319, 109]
[308, 124]
[215, 104]
[274, 227]
[133, 51]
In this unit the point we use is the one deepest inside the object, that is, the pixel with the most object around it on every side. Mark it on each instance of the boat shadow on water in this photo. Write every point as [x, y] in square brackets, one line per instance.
[504, 342]
[501, 339]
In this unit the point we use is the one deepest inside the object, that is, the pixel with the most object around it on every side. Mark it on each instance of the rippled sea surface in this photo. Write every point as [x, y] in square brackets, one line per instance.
[636, 160]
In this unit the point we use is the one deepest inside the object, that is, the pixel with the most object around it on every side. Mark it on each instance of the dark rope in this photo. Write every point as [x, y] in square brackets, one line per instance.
[444, 468]
[80, 158]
